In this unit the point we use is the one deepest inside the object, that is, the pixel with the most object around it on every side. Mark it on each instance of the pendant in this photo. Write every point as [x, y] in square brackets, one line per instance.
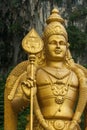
[59, 99]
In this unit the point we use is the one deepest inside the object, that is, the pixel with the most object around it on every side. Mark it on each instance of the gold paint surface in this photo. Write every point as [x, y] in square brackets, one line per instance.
[56, 80]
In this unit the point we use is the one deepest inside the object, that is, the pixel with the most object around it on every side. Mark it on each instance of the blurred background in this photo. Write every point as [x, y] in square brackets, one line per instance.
[17, 17]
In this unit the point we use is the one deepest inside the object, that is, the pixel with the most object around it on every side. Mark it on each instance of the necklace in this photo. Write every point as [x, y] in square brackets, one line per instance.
[57, 73]
[59, 90]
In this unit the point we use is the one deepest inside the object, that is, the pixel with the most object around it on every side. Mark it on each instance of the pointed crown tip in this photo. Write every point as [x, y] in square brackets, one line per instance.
[55, 17]
[55, 10]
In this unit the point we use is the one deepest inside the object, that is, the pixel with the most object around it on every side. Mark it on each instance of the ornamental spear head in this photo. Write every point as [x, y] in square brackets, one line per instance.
[32, 42]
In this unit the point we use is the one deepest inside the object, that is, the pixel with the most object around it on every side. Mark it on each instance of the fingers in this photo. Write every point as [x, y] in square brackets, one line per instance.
[29, 83]
[26, 87]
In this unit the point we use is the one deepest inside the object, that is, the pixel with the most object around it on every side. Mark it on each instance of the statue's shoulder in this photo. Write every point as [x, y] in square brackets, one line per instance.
[41, 72]
[82, 68]
[77, 73]
[42, 77]
[74, 79]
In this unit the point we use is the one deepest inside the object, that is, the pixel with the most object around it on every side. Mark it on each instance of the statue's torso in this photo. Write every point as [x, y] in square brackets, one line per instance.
[56, 91]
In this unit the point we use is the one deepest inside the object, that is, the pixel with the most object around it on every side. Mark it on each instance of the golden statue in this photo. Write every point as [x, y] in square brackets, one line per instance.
[50, 81]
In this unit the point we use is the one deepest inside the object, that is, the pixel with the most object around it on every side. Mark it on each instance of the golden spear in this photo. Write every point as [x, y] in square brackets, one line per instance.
[32, 44]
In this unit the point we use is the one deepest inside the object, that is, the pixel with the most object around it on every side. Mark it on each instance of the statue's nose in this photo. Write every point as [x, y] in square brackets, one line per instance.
[57, 44]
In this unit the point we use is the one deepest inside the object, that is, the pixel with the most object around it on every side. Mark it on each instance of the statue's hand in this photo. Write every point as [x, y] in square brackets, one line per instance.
[72, 125]
[27, 85]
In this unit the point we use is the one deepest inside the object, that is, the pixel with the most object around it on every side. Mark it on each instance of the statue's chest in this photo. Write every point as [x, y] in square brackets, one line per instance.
[56, 78]
[55, 85]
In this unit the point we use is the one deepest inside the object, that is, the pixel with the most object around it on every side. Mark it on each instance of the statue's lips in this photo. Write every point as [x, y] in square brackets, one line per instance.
[57, 51]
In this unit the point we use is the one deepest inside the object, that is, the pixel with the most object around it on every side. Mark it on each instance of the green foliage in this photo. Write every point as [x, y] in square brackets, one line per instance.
[15, 28]
[82, 125]
[11, 30]
[78, 13]
[1, 24]
[2, 84]
[15, 3]
[22, 120]
[78, 40]
[59, 1]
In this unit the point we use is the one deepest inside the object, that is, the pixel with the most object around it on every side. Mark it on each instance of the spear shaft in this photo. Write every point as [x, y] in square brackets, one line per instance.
[32, 44]
[32, 61]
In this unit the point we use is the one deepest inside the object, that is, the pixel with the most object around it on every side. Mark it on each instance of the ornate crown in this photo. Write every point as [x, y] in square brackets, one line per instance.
[54, 26]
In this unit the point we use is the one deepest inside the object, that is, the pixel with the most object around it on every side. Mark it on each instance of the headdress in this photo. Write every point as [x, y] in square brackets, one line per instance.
[54, 26]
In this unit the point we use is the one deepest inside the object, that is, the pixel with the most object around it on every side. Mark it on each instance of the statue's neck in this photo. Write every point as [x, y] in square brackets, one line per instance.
[56, 64]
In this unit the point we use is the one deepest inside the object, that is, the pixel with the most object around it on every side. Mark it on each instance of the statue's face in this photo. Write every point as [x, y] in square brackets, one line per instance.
[56, 48]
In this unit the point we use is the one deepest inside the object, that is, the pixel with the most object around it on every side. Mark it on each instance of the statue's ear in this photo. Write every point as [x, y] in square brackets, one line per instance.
[68, 55]
[68, 44]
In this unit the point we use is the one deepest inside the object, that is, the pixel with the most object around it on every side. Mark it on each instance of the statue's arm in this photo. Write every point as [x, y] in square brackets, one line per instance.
[19, 102]
[82, 100]
[22, 95]
[80, 105]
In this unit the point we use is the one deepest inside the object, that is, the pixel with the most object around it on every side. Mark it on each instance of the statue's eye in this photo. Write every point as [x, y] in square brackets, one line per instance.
[53, 42]
[62, 43]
